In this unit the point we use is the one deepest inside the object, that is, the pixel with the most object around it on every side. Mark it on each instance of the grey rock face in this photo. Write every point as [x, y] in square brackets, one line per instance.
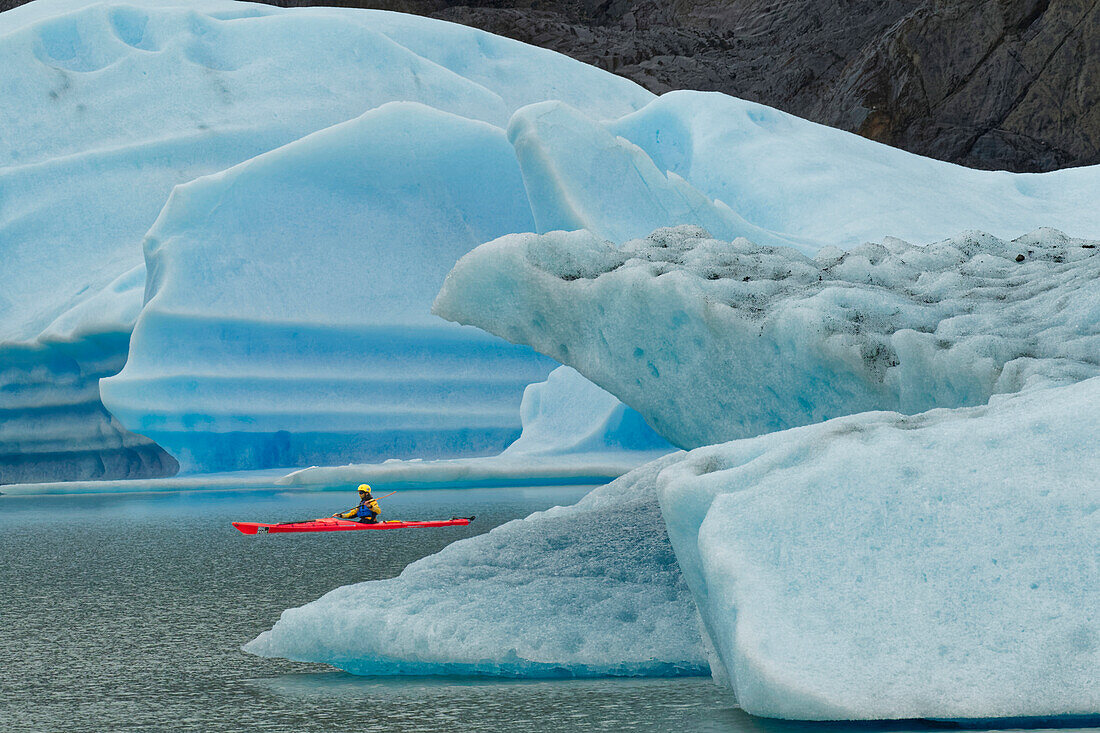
[1010, 84]
[1006, 84]
[1013, 83]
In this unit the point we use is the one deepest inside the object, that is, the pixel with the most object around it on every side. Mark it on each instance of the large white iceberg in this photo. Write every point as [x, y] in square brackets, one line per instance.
[714, 340]
[591, 589]
[108, 106]
[944, 565]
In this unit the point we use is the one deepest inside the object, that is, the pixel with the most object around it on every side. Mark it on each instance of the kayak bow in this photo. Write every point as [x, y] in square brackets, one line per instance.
[340, 525]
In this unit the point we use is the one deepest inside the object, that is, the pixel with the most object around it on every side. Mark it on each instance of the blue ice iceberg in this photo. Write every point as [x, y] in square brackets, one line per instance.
[573, 433]
[296, 290]
[108, 106]
[109, 103]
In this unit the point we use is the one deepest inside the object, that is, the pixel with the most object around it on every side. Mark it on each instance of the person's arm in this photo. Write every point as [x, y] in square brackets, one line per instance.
[348, 514]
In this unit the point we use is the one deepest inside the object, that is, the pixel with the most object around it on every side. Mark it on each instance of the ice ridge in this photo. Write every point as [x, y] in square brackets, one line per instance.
[713, 340]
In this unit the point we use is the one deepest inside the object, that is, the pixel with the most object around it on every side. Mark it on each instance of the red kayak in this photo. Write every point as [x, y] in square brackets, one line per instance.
[340, 525]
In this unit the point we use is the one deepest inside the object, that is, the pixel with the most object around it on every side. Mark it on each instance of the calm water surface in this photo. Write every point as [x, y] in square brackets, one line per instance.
[127, 612]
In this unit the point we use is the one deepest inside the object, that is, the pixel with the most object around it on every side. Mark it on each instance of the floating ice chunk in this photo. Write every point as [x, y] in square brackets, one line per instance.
[943, 565]
[801, 179]
[713, 340]
[591, 589]
[287, 317]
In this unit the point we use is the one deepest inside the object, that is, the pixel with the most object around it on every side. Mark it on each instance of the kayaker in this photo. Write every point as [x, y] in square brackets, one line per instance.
[368, 509]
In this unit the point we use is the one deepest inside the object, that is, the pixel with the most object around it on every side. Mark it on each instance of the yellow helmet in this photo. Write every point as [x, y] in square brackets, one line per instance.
[364, 488]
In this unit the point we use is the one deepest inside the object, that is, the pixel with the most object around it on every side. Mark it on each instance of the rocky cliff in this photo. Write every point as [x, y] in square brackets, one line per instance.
[993, 84]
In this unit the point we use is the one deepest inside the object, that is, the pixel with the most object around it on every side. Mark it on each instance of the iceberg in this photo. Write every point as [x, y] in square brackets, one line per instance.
[287, 318]
[108, 103]
[877, 566]
[108, 106]
[712, 340]
[587, 590]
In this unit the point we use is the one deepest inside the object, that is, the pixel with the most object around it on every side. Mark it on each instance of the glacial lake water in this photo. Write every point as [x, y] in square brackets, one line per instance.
[127, 612]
